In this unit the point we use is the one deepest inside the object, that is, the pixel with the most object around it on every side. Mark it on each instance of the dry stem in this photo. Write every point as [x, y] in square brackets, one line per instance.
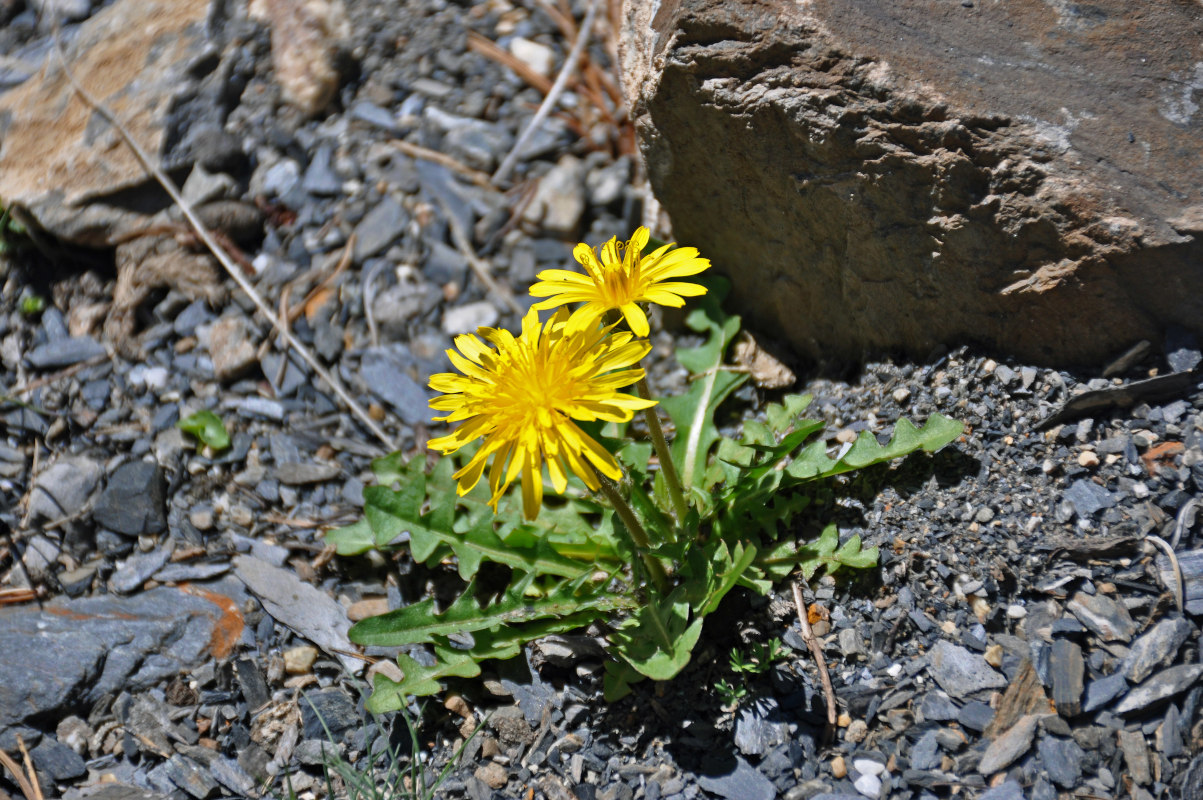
[816, 650]
[207, 238]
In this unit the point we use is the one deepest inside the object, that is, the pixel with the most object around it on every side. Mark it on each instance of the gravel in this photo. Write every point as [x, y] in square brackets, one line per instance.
[1018, 639]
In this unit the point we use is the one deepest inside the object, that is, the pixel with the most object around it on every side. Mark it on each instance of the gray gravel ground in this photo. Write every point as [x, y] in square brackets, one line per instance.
[1020, 638]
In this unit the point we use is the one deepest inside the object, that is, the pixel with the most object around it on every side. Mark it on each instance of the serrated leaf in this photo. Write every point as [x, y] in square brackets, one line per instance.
[353, 540]
[826, 551]
[418, 623]
[813, 463]
[392, 512]
[781, 415]
[419, 680]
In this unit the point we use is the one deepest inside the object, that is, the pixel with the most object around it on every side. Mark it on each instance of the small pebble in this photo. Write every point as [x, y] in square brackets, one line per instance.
[299, 660]
[839, 768]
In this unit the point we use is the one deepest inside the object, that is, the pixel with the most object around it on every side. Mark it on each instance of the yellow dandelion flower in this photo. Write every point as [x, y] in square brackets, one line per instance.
[524, 396]
[621, 278]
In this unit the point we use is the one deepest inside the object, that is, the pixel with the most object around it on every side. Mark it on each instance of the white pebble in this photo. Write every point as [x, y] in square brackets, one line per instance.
[867, 766]
[1016, 611]
[868, 785]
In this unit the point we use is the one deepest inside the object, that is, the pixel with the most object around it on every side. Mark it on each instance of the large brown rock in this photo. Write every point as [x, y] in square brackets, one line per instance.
[891, 176]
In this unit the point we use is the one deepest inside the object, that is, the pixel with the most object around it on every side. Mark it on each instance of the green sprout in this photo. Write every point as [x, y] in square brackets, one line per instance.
[208, 429]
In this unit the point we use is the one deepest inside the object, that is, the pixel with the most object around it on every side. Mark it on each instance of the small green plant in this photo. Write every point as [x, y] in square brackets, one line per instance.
[208, 429]
[759, 657]
[756, 660]
[32, 304]
[13, 235]
[648, 553]
[389, 772]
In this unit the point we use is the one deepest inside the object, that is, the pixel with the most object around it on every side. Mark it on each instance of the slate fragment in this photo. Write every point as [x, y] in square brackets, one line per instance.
[1160, 687]
[960, 672]
[134, 503]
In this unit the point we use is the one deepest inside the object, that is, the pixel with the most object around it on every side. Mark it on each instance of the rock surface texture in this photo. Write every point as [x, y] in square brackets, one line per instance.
[897, 176]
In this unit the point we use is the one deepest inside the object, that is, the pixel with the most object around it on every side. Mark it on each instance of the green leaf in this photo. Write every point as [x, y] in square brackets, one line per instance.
[418, 623]
[826, 551]
[352, 540]
[392, 512]
[711, 570]
[658, 638]
[812, 463]
[782, 415]
[207, 428]
[389, 695]
[618, 679]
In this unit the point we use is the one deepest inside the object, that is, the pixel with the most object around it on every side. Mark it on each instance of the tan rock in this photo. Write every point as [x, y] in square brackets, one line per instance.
[897, 176]
[306, 37]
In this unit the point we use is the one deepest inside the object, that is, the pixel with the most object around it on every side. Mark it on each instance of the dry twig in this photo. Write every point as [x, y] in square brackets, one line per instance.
[553, 95]
[1179, 581]
[816, 650]
[479, 265]
[442, 159]
[207, 238]
[27, 782]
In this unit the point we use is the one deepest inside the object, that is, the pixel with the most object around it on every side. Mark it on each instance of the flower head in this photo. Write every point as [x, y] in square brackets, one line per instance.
[524, 396]
[621, 278]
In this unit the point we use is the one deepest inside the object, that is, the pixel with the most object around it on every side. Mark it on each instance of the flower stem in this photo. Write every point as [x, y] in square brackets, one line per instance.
[671, 480]
[638, 535]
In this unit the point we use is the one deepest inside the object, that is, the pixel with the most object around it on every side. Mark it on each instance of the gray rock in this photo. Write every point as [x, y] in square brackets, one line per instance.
[744, 782]
[975, 715]
[479, 144]
[468, 317]
[330, 710]
[758, 728]
[64, 487]
[1155, 648]
[386, 377]
[1160, 687]
[1009, 790]
[1009, 746]
[1104, 617]
[305, 472]
[114, 791]
[83, 649]
[57, 760]
[295, 373]
[938, 707]
[559, 200]
[960, 672]
[1102, 691]
[228, 773]
[190, 776]
[379, 228]
[281, 178]
[320, 179]
[375, 115]
[1062, 760]
[1066, 670]
[309, 612]
[134, 502]
[137, 569]
[925, 754]
[65, 352]
[444, 264]
[1087, 497]
[203, 186]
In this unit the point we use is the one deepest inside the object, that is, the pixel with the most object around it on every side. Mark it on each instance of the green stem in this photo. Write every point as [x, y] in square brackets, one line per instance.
[638, 535]
[671, 480]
